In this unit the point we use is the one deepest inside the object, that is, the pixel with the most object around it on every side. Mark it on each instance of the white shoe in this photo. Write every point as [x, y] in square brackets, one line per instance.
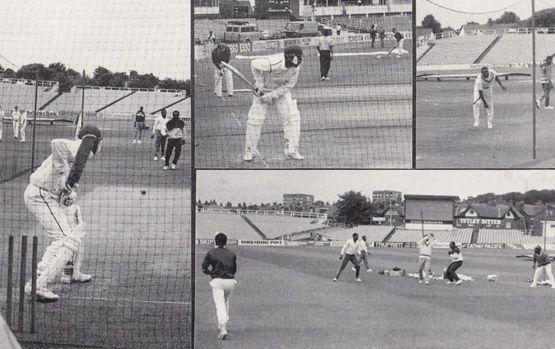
[139, 141]
[538, 103]
[334, 280]
[77, 278]
[326, 78]
[449, 283]
[458, 282]
[155, 158]
[249, 156]
[323, 78]
[295, 156]
[419, 281]
[134, 141]
[43, 295]
[163, 158]
[533, 286]
[476, 124]
[22, 141]
[368, 270]
[490, 125]
[549, 107]
[358, 279]
[172, 166]
[165, 167]
[426, 283]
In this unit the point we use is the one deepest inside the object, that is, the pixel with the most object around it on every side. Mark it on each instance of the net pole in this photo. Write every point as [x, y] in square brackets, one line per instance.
[534, 80]
[544, 230]
[34, 120]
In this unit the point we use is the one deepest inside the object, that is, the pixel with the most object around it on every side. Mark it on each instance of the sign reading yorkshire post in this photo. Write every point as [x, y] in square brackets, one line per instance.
[260, 243]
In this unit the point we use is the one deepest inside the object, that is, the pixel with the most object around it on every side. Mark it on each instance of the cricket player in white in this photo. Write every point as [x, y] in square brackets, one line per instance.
[53, 204]
[2, 114]
[22, 125]
[274, 77]
[16, 117]
[483, 94]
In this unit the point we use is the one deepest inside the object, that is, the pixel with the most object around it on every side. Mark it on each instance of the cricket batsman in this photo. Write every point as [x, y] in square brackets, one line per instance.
[274, 77]
[222, 53]
[16, 117]
[483, 94]
[49, 198]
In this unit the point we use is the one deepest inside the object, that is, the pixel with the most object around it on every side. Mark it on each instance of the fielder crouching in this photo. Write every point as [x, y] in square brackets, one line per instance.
[52, 202]
[274, 77]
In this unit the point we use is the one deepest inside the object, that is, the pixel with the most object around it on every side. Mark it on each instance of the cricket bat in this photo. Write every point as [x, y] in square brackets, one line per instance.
[81, 158]
[393, 48]
[242, 77]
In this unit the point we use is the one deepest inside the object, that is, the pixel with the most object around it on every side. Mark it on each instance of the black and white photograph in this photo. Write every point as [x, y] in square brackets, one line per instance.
[95, 174]
[374, 259]
[303, 84]
[483, 80]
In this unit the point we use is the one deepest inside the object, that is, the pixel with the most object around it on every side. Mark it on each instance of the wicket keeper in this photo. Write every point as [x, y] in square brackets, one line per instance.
[222, 53]
[483, 94]
[274, 77]
[52, 202]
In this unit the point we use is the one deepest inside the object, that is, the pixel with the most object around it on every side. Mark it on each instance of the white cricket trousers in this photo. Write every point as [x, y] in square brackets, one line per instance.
[15, 126]
[60, 223]
[548, 273]
[22, 127]
[400, 49]
[488, 96]
[286, 108]
[218, 81]
[221, 291]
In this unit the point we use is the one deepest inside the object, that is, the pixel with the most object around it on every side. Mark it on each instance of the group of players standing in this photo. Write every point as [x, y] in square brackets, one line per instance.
[19, 123]
[168, 135]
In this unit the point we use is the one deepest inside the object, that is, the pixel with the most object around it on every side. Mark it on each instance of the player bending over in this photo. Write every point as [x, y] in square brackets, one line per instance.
[222, 53]
[483, 94]
[542, 263]
[221, 264]
[400, 42]
[456, 263]
[545, 80]
[274, 77]
[425, 257]
[52, 201]
[350, 253]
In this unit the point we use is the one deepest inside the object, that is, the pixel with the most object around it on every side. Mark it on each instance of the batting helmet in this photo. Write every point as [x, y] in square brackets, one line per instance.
[291, 52]
[91, 130]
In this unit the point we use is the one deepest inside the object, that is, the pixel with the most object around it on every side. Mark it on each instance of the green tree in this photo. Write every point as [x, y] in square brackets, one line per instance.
[430, 22]
[102, 76]
[353, 207]
[119, 79]
[508, 17]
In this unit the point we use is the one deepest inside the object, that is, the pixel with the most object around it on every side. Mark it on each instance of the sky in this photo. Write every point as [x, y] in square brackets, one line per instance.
[269, 186]
[522, 8]
[150, 36]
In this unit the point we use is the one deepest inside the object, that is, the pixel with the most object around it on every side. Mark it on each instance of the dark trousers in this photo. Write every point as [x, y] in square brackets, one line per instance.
[546, 90]
[450, 272]
[325, 62]
[173, 143]
[348, 258]
[373, 42]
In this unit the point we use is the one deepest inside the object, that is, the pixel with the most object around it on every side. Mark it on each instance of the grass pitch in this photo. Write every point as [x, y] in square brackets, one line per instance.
[285, 299]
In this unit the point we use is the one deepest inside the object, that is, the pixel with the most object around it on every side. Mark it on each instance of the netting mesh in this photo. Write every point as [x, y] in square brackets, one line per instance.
[136, 214]
[361, 117]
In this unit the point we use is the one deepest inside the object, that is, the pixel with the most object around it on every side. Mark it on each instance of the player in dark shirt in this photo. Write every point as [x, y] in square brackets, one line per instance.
[139, 125]
[221, 264]
[542, 263]
[373, 33]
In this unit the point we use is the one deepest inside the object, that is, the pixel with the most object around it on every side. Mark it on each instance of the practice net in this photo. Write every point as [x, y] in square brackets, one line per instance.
[99, 64]
[361, 117]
